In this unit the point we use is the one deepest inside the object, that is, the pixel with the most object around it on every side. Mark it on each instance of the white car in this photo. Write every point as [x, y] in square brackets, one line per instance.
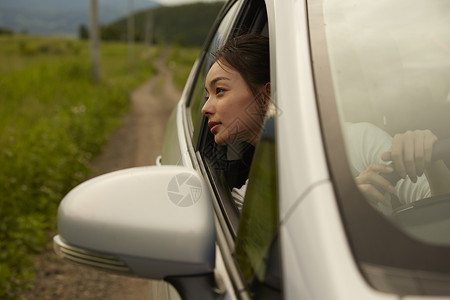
[345, 75]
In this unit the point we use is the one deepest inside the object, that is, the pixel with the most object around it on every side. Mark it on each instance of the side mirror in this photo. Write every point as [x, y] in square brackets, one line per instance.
[154, 222]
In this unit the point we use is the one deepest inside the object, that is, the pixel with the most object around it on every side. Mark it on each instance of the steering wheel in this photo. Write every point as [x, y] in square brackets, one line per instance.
[427, 219]
[441, 151]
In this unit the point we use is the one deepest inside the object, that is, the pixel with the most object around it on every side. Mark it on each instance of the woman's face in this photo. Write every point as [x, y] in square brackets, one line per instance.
[231, 108]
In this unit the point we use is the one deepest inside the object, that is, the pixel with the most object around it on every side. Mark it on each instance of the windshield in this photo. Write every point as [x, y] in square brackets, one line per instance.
[385, 65]
[390, 65]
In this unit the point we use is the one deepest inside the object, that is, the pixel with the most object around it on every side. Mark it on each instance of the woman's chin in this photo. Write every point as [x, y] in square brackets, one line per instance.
[220, 142]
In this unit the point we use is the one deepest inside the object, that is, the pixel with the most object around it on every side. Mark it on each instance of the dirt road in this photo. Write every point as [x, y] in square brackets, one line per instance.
[136, 143]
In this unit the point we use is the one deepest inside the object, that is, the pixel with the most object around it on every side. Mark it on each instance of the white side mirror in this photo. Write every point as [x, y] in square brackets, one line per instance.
[153, 222]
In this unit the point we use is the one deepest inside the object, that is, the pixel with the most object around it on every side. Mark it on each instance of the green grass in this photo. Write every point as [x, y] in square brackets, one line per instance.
[53, 120]
[180, 61]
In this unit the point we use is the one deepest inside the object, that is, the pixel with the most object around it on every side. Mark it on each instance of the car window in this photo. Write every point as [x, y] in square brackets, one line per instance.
[388, 84]
[198, 96]
[256, 243]
[382, 70]
[227, 165]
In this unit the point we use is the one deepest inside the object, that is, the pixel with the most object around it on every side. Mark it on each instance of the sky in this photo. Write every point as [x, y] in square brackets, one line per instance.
[175, 2]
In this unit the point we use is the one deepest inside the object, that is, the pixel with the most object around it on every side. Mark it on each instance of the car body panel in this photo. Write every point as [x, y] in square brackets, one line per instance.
[314, 229]
[175, 145]
[295, 101]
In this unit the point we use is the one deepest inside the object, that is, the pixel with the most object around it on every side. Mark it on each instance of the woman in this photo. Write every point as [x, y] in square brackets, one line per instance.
[238, 94]
[238, 90]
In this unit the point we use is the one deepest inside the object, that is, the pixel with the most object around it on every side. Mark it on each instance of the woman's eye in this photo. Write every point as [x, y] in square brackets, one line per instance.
[219, 90]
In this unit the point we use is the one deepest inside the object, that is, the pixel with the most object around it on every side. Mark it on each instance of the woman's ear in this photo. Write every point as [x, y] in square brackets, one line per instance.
[267, 89]
[270, 109]
[263, 98]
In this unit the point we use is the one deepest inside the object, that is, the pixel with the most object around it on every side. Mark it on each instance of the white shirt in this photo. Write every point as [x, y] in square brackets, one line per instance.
[365, 144]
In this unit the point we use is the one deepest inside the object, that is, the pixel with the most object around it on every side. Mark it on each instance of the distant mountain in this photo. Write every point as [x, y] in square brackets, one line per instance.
[61, 16]
[186, 24]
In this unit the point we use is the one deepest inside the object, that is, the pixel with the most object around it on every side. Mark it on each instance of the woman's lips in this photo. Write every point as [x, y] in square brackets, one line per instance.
[214, 126]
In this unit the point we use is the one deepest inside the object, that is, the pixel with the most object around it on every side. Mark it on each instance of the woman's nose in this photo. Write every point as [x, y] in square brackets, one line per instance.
[208, 108]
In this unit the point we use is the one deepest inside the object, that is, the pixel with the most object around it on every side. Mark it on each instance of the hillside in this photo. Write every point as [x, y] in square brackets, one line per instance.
[186, 24]
[50, 17]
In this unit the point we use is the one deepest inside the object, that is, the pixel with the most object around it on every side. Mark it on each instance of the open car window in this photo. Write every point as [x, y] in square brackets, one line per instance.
[228, 165]
[197, 99]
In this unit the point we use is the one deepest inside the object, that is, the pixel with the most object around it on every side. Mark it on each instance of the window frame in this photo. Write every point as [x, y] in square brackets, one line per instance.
[201, 64]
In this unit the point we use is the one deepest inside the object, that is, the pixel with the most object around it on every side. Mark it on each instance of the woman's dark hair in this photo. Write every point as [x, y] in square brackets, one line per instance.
[249, 55]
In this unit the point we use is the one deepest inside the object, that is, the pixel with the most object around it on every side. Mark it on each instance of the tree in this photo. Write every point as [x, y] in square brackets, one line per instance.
[7, 31]
[83, 32]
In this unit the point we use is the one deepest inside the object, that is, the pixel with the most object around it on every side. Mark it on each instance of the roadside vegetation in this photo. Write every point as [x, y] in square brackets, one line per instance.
[53, 120]
[180, 61]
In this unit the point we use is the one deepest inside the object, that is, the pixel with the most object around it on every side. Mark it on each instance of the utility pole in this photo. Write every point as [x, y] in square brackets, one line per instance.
[149, 33]
[131, 35]
[94, 41]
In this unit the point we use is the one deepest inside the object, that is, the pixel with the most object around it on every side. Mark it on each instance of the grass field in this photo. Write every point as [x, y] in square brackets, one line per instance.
[53, 120]
[180, 61]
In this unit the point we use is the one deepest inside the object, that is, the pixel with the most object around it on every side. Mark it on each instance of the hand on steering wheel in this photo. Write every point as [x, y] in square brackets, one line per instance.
[373, 185]
[411, 153]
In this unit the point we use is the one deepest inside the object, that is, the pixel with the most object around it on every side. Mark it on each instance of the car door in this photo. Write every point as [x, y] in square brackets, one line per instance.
[228, 167]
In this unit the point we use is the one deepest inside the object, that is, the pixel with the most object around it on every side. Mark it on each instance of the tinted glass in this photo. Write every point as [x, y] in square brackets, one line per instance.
[389, 63]
[259, 217]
